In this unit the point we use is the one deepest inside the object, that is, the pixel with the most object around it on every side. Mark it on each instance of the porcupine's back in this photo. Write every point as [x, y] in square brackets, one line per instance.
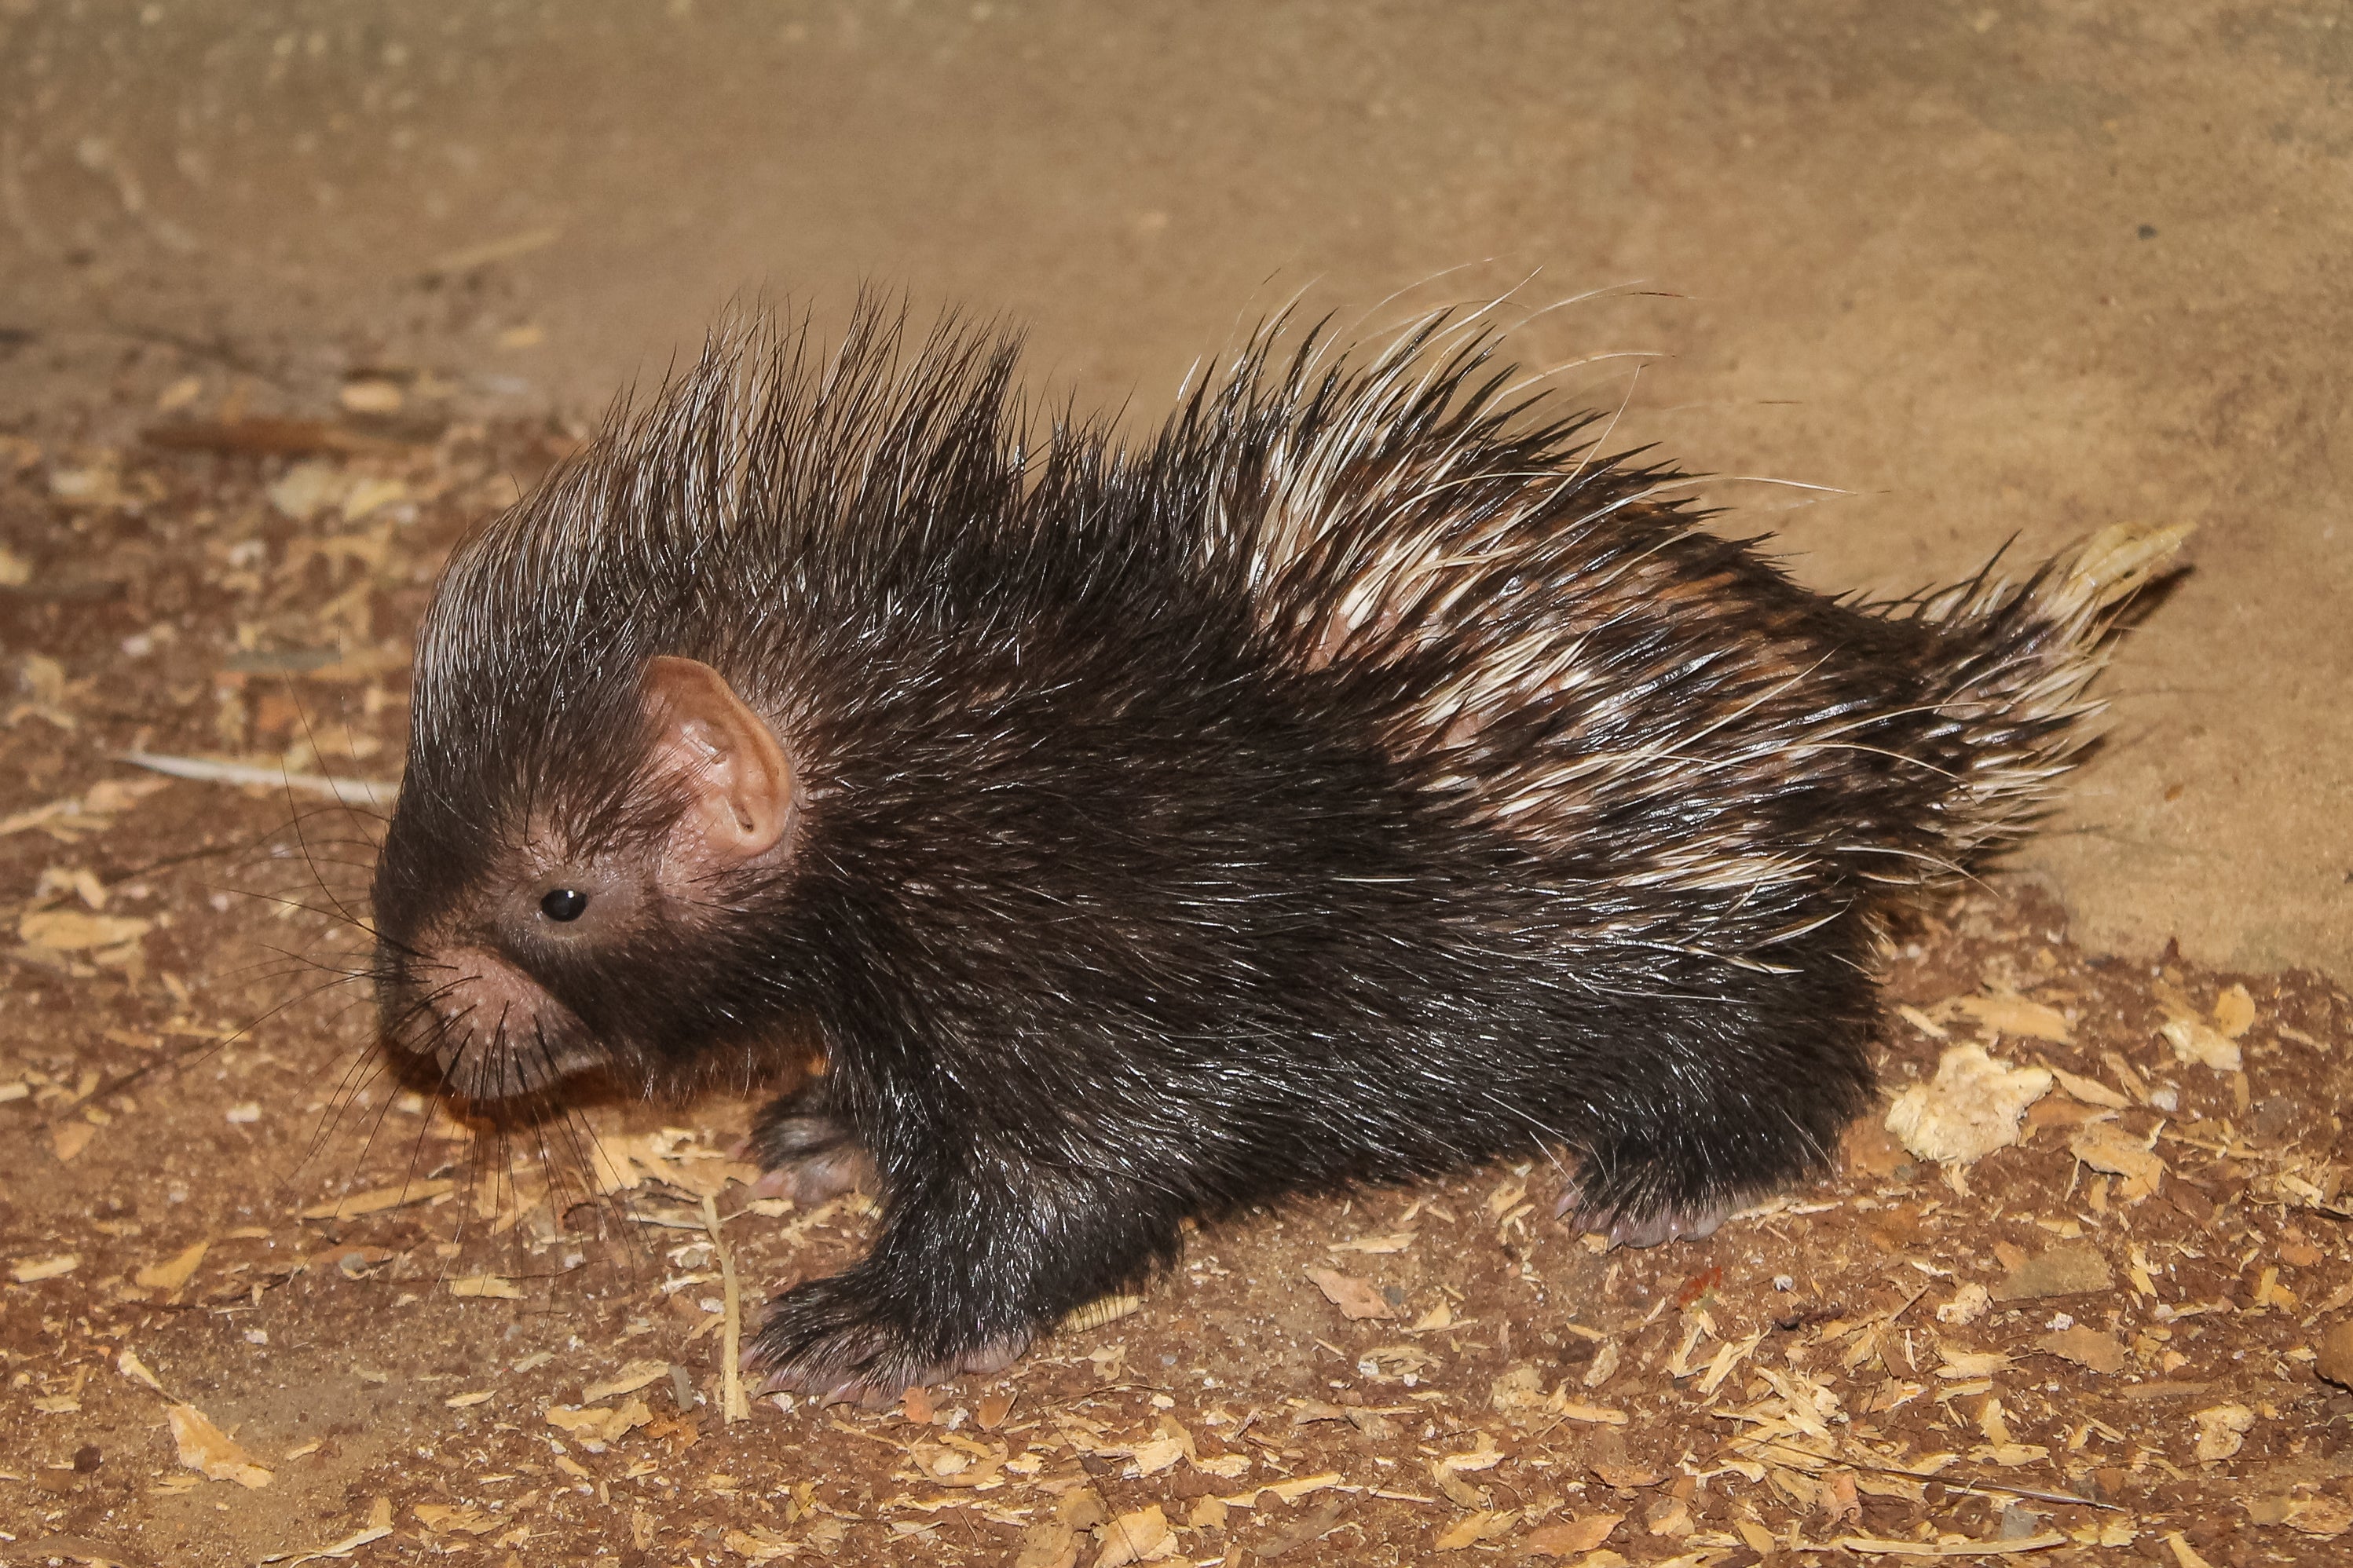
[1538, 631]
[1718, 755]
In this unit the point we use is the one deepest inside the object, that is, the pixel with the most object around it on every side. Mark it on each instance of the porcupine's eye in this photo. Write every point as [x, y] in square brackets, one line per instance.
[564, 904]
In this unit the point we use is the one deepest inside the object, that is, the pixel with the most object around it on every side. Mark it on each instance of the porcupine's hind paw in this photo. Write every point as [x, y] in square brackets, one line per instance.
[1642, 1227]
[821, 1340]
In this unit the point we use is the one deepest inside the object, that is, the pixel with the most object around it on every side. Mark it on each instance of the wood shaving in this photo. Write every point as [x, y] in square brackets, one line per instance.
[1971, 1108]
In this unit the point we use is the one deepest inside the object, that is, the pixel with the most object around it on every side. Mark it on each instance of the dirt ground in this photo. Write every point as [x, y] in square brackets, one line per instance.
[293, 300]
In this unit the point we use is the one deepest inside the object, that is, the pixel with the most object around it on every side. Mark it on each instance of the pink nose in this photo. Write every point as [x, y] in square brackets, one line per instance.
[496, 1032]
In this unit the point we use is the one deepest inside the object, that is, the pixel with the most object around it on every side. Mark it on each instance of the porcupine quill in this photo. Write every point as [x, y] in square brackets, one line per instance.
[1365, 777]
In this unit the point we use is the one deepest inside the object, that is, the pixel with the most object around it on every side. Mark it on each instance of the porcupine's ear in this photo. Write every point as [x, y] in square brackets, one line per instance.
[737, 780]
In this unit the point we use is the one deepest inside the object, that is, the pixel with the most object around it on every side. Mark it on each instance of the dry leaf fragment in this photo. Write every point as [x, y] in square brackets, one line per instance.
[2016, 1016]
[2222, 1431]
[1922, 1022]
[370, 395]
[68, 1138]
[32, 1269]
[59, 1404]
[308, 488]
[128, 1363]
[1441, 1316]
[174, 1272]
[492, 1287]
[81, 881]
[1971, 1108]
[1568, 1539]
[1901, 1548]
[2327, 1517]
[1158, 1454]
[1050, 1545]
[1474, 1528]
[754, 1545]
[379, 1525]
[1291, 1491]
[463, 1519]
[2106, 1146]
[1506, 1197]
[2184, 1553]
[2195, 1042]
[1482, 1455]
[637, 1374]
[206, 1450]
[87, 1551]
[599, 1425]
[1355, 1298]
[2091, 1090]
[71, 930]
[2086, 1346]
[1142, 1536]
[1970, 1303]
[1083, 1508]
[379, 1199]
[2009, 1455]
[1519, 1394]
[1625, 1478]
[1394, 1241]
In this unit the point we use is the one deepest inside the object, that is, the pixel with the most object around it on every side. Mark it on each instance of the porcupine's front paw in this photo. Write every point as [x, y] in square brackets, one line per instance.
[808, 1155]
[822, 1339]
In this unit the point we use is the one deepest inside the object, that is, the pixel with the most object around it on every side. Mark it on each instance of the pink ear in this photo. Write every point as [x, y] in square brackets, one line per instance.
[738, 781]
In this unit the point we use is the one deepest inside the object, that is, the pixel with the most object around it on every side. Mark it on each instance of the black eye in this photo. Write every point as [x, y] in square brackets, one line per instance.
[564, 904]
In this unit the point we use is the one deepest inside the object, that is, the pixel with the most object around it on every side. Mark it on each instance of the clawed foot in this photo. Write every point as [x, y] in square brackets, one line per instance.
[808, 1157]
[1636, 1228]
[819, 1342]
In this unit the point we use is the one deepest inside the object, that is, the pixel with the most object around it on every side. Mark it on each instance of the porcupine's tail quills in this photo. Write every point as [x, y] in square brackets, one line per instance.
[2022, 658]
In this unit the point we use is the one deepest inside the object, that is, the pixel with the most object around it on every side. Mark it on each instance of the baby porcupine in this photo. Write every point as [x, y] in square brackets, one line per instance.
[1364, 778]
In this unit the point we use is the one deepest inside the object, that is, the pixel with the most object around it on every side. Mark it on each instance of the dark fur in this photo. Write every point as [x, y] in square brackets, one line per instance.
[1133, 886]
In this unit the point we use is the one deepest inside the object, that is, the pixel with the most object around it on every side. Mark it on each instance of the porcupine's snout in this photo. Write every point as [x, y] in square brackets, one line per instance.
[466, 1022]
